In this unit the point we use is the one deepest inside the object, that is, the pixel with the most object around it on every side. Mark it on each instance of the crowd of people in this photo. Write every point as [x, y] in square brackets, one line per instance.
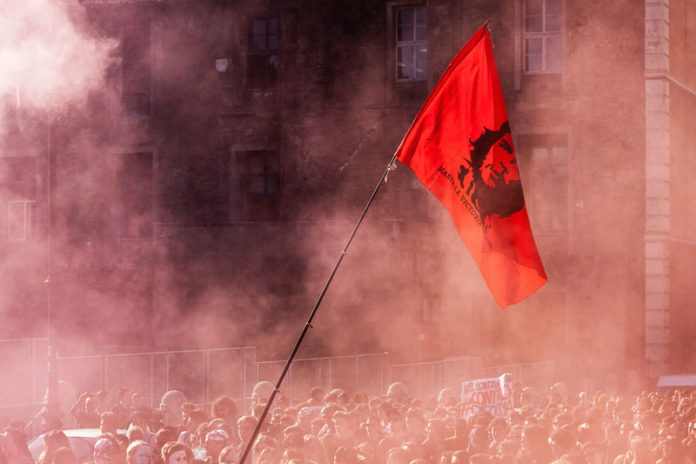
[334, 427]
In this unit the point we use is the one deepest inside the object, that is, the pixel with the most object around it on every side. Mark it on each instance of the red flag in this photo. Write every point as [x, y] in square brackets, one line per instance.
[460, 147]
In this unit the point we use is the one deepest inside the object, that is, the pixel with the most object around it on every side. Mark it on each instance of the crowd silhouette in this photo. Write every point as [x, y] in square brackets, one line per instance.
[334, 427]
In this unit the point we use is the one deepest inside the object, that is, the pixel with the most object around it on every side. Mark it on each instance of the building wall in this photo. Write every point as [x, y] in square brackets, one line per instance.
[237, 266]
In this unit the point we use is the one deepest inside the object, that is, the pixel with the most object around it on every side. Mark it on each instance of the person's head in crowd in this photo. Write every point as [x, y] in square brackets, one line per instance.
[305, 416]
[225, 408]
[194, 418]
[535, 441]
[316, 396]
[171, 406]
[319, 426]
[108, 422]
[478, 440]
[343, 425]
[15, 445]
[52, 440]
[497, 430]
[327, 413]
[346, 455]
[640, 450]
[174, 452]
[139, 452]
[418, 461]
[245, 428]
[414, 449]
[262, 391]
[526, 397]
[515, 417]
[593, 452]
[257, 409]
[137, 401]
[367, 452]
[561, 420]
[480, 458]
[562, 442]
[102, 397]
[460, 457]
[374, 403]
[135, 433]
[691, 429]
[164, 435]
[647, 423]
[290, 453]
[372, 429]
[398, 455]
[229, 455]
[414, 421]
[673, 450]
[64, 455]
[107, 451]
[215, 441]
[436, 431]
[397, 393]
[558, 392]
[313, 450]
[507, 451]
[446, 397]
[123, 396]
[334, 396]
[267, 455]
[293, 437]
[139, 419]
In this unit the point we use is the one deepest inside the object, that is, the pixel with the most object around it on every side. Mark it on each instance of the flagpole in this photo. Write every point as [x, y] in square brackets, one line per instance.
[308, 324]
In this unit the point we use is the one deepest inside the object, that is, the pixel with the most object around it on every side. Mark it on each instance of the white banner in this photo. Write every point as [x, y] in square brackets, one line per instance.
[493, 395]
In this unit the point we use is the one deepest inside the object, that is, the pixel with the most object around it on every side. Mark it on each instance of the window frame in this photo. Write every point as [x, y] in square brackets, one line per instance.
[244, 200]
[137, 100]
[539, 187]
[28, 220]
[543, 35]
[269, 82]
[412, 44]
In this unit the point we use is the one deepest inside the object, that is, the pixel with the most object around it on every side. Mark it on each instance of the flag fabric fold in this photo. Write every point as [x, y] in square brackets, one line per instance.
[460, 147]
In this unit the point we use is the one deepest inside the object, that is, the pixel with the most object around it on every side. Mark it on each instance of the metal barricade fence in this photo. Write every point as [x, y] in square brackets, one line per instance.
[538, 375]
[23, 364]
[425, 379]
[202, 375]
[364, 373]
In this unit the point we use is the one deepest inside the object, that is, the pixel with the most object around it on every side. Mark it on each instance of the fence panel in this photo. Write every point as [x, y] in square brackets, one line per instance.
[538, 375]
[231, 373]
[201, 374]
[364, 373]
[425, 379]
[24, 364]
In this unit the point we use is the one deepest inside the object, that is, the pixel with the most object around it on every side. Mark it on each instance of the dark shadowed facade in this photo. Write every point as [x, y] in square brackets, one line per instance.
[203, 194]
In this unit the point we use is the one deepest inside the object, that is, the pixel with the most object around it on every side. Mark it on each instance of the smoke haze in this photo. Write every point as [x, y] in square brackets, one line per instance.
[157, 246]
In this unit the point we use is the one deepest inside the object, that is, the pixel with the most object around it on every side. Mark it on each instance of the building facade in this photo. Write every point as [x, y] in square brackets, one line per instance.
[202, 194]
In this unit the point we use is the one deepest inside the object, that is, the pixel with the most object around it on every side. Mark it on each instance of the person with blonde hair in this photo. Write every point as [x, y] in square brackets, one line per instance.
[175, 452]
[139, 452]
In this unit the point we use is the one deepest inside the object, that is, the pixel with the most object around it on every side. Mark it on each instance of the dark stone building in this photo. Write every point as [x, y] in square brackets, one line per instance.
[201, 195]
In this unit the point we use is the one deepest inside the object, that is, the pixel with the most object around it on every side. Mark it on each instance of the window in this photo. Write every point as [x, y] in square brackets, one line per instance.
[411, 43]
[542, 36]
[546, 174]
[21, 220]
[256, 175]
[262, 55]
[135, 70]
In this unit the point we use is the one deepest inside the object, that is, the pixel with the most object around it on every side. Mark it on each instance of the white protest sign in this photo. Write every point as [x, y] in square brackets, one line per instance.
[493, 395]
